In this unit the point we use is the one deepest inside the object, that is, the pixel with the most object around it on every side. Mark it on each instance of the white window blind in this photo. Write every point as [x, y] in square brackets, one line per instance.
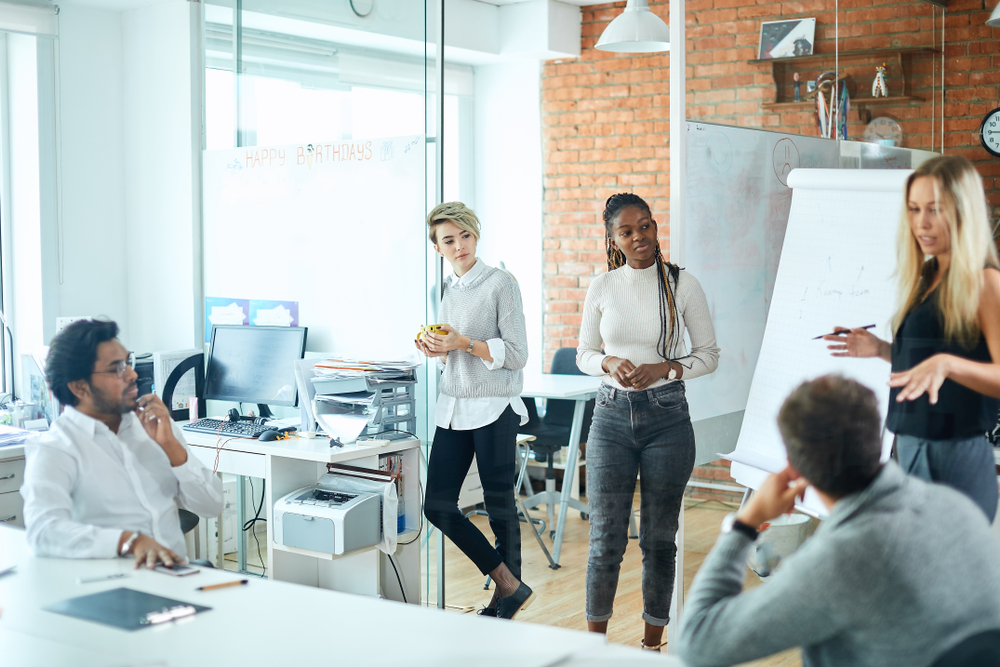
[30, 18]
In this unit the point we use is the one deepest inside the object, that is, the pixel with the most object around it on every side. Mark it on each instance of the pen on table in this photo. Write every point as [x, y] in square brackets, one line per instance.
[91, 580]
[225, 585]
[843, 331]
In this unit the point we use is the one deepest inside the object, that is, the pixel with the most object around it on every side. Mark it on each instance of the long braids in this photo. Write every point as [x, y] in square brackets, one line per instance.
[665, 270]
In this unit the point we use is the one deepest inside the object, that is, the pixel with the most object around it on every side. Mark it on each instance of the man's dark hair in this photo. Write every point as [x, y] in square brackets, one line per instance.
[72, 354]
[831, 428]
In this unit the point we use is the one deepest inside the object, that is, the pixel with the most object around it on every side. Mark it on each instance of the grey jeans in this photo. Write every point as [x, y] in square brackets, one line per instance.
[647, 432]
[966, 465]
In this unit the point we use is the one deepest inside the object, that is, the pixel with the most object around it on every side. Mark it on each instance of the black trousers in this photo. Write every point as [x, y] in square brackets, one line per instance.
[451, 456]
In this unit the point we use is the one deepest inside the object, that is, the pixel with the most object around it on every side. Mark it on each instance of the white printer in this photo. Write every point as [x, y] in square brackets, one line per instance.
[325, 519]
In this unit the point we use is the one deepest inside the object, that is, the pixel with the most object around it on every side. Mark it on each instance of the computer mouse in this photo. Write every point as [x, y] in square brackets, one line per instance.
[268, 436]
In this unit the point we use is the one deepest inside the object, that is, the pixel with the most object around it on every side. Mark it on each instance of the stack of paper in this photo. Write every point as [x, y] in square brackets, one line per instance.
[12, 436]
[358, 368]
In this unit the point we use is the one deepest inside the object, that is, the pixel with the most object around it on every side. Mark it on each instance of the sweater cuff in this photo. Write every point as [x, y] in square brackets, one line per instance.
[733, 546]
[499, 353]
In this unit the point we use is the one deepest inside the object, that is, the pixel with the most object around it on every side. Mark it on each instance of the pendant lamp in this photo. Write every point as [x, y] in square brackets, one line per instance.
[636, 30]
[994, 20]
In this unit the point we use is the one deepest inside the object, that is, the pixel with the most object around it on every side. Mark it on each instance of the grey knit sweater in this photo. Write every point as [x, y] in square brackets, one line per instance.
[896, 575]
[488, 307]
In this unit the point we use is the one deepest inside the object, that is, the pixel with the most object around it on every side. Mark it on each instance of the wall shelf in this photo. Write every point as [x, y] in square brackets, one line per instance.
[806, 105]
[898, 81]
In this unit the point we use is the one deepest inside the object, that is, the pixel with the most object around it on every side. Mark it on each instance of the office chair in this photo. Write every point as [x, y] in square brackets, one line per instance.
[196, 362]
[552, 433]
[980, 650]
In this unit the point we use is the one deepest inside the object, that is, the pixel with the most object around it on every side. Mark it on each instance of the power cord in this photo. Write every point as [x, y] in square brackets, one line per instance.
[392, 561]
[251, 522]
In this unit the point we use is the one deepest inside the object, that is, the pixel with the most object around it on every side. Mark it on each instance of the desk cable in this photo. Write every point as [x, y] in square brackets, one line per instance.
[392, 561]
[250, 523]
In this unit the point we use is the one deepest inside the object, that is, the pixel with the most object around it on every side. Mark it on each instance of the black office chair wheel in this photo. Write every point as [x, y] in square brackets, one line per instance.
[552, 535]
[585, 516]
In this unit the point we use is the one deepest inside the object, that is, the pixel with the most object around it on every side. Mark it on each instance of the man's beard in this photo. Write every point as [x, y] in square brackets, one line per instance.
[110, 405]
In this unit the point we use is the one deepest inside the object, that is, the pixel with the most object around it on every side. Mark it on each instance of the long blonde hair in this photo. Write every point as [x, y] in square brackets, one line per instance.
[958, 189]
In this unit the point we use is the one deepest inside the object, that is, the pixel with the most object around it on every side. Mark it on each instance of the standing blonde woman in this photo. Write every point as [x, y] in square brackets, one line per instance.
[482, 352]
[638, 311]
[945, 352]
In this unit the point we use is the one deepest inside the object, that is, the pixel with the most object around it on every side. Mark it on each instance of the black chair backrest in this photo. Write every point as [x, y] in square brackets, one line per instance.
[979, 650]
[559, 412]
[197, 362]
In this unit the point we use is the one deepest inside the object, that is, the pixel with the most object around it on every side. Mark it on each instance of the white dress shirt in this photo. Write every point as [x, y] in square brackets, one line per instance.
[84, 485]
[465, 414]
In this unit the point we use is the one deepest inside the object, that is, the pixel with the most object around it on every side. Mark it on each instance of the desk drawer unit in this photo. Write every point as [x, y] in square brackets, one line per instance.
[11, 474]
[11, 505]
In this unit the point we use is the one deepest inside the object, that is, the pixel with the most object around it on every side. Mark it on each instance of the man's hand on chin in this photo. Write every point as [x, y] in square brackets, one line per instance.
[776, 496]
[155, 418]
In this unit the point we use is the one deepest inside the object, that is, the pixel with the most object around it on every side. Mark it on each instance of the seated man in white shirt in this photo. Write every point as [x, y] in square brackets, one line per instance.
[107, 478]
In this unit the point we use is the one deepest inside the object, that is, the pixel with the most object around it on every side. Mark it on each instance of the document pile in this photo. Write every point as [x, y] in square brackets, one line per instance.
[354, 396]
[12, 436]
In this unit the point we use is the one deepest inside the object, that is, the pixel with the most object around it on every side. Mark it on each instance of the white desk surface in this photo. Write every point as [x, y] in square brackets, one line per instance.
[263, 623]
[304, 449]
[569, 387]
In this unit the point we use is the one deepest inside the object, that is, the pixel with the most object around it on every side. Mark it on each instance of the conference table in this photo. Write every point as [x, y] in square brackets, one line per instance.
[261, 623]
[580, 389]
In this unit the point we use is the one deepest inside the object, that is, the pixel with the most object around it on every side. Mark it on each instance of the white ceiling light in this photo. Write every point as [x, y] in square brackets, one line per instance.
[994, 20]
[636, 30]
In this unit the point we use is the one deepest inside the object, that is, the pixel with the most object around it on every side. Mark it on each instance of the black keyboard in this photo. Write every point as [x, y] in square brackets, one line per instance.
[240, 429]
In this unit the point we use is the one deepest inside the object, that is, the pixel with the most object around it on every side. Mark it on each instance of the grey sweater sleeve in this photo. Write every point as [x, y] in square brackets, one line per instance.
[510, 320]
[723, 626]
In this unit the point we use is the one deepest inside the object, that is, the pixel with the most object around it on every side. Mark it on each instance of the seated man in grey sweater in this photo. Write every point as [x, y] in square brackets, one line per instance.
[900, 572]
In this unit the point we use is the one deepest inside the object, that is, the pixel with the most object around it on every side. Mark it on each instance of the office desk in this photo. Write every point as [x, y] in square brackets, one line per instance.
[287, 465]
[578, 388]
[262, 623]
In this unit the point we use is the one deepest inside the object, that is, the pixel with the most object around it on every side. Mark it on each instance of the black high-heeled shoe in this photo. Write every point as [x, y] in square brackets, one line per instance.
[509, 606]
[489, 612]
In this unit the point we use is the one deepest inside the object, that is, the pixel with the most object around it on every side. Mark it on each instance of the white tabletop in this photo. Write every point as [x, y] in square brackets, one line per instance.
[569, 387]
[263, 623]
[304, 449]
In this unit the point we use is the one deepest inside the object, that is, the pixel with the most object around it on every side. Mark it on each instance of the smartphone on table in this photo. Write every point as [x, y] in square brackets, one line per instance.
[176, 570]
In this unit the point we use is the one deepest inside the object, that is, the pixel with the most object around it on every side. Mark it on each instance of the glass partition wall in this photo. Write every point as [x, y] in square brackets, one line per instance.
[321, 161]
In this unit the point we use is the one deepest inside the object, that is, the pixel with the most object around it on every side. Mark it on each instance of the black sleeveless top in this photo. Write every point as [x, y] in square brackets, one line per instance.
[960, 412]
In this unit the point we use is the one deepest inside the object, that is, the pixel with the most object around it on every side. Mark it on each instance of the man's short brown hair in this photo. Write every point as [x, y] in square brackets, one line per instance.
[832, 430]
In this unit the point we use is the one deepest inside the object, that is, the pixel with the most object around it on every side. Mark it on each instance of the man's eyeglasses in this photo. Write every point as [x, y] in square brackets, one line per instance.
[122, 366]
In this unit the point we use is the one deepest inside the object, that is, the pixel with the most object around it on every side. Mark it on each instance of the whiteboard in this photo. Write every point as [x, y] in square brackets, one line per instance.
[737, 204]
[836, 268]
[337, 227]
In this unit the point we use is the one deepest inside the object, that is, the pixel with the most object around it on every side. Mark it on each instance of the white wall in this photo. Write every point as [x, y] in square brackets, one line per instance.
[508, 169]
[94, 262]
[162, 140]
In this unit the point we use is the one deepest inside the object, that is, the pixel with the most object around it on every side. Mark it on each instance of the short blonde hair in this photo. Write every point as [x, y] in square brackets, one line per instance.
[453, 211]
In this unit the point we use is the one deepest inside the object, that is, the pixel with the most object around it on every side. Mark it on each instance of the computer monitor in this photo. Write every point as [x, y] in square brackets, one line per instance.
[250, 364]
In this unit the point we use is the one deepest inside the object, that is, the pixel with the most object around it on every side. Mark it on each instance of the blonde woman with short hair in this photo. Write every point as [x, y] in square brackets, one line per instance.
[482, 352]
[945, 352]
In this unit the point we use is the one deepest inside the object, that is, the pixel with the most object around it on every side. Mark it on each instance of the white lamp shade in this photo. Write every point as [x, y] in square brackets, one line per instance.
[994, 20]
[636, 30]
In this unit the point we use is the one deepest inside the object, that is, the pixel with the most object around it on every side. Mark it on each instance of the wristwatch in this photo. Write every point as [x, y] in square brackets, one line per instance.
[127, 547]
[472, 345]
[672, 375]
[730, 523]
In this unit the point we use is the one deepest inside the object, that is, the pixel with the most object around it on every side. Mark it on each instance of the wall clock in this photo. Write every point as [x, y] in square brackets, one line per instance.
[884, 131]
[989, 132]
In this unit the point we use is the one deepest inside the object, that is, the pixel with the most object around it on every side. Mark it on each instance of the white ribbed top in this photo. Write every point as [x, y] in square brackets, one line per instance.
[622, 314]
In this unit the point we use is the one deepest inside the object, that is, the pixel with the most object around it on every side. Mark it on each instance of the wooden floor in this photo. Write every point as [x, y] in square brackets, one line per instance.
[561, 592]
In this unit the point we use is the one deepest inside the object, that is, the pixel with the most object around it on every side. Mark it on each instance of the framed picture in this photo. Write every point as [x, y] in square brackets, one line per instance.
[787, 39]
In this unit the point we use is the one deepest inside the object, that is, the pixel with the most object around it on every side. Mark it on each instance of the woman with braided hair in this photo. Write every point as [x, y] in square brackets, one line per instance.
[638, 311]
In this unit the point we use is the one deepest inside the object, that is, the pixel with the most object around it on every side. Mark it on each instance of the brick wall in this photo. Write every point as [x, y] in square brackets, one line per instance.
[605, 116]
